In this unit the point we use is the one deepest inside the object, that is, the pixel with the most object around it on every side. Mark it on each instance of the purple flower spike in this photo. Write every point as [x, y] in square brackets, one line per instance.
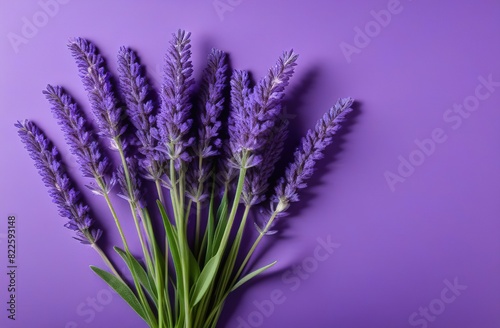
[92, 160]
[270, 91]
[212, 101]
[61, 188]
[136, 91]
[310, 150]
[174, 121]
[254, 116]
[208, 143]
[96, 80]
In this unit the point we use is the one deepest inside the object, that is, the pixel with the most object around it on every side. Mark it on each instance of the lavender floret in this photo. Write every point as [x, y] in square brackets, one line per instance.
[136, 92]
[62, 190]
[91, 158]
[174, 122]
[96, 81]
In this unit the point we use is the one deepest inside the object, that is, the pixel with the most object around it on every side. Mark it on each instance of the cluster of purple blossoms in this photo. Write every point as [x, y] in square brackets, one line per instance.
[96, 81]
[174, 117]
[61, 188]
[92, 160]
[141, 111]
[208, 143]
[181, 141]
[256, 112]
[254, 137]
[257, 128]
[240, 90]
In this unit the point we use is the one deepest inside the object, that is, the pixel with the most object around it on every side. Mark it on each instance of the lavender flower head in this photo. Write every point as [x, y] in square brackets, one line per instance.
[96, 81]
[61, 188]
[212, 101]
[136, 92]
[254, 115]
[310, 150]
[91, 158]
[228, 165]
[208, 143]
[174, 122]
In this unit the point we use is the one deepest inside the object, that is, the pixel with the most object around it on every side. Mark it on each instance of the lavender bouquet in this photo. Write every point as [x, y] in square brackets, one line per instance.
[210, 159]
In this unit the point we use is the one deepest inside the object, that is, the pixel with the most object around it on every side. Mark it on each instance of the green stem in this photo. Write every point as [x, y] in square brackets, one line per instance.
[159, 191]
[183, 244]
[117, 222]
[133, 205]
[177, 196]
[254, 246]
[106, 260]
[233, 254]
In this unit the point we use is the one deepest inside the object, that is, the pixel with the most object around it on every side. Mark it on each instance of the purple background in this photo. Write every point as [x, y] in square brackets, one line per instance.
[397, 247]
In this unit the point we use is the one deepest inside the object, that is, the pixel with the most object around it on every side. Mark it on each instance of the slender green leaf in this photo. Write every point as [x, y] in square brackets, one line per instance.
[146, 280]
[209, 232]
[206, 278]
[221, 221]
[122, 289]
[194, 267]
[172, 243]
[251, 275]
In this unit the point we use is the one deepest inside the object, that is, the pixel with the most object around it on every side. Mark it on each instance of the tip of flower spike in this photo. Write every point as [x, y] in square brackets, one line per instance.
[78, 41]
[290, 57]
[341, 108]
[217, 52]
[19, 125]
[345, 102]
[181, 35]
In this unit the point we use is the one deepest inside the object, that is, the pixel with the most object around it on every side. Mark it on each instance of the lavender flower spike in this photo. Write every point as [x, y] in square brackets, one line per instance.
[310, 150]
[93, 162]
[270, 91]
[61, 189]
[212, 102]
[211, 106]
[174, 120]
[252, 126]
[96, 81]
[228, 164]
[134, 87]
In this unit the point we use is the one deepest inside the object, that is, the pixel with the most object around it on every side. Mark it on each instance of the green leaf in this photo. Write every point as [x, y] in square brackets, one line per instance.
[172, 242]
[134, 266]
[251, 275]
[206, 277]
[194, 267]
[221, 221]
[210, 230]
[122, 289]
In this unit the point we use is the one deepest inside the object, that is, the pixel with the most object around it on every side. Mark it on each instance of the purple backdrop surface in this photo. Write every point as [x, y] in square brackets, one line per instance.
[400, 228]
